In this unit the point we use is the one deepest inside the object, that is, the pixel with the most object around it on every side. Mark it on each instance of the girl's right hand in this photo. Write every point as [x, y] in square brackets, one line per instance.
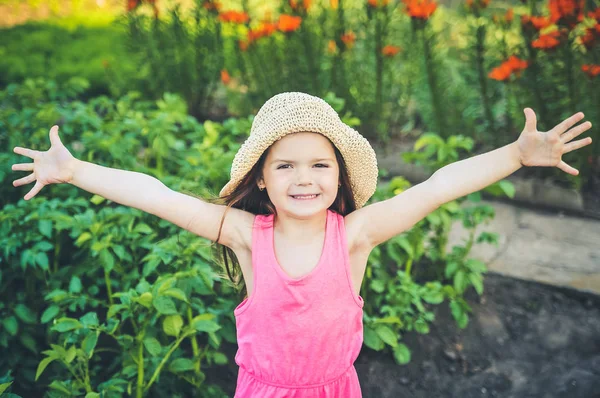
[53, 166]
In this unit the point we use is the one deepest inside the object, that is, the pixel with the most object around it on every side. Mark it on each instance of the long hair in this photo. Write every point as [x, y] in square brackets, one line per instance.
[247, 196]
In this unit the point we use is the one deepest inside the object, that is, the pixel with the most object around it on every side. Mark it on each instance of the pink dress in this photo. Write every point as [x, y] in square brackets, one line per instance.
[299, 337]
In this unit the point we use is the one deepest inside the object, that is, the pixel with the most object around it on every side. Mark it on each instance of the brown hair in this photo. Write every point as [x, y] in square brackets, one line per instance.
[247, 196]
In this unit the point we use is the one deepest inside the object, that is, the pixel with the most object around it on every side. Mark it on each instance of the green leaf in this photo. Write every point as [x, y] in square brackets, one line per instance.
[50, 313]
[172, 325]
[92, 395]
[220, 358]
[70, 356]
[97, 199]
[60, 386]
[377, 285]
[82, 238]
[164, 305]
[89, 319]
[107, 259]
[402, 354]
[145, 299]
[387, 335]
[206, 326]
[477, 283]
[66, 324]
[89, 343]
[175, 293]
[181, 365]
[25, 314]
[4, 386]
[372, 340]
[75, 284]
[451, 268]
[459, 281]
[11, 325]
[433, 297]
[421, 326]
[43, 364]
[41, 259]
[153, 346]
[45, 227]
[114, 309]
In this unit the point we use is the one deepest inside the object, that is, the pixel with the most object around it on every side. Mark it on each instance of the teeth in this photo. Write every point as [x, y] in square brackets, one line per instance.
[305, 197]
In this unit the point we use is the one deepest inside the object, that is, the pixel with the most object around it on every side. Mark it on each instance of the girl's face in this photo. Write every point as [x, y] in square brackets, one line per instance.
[301, 164]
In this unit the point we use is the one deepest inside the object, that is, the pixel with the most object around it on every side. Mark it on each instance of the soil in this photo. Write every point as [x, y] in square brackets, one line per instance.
[523, 340]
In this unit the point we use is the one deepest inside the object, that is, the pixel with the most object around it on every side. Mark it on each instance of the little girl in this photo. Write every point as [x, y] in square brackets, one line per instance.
[296, 221]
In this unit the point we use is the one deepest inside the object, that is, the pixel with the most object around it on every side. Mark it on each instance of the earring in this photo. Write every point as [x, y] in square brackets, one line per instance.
[339, 185]
[261, 188]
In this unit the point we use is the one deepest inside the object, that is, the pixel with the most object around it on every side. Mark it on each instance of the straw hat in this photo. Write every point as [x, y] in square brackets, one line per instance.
[294, 112]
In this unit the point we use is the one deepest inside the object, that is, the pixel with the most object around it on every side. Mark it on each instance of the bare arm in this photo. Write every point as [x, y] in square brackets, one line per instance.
[129, 188]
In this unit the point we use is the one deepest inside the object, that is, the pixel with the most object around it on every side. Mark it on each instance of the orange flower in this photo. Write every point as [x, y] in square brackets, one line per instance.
[234, 17]
[509, 15]
[263, 30]
[390, 51]
[305, 4]
[548, 41]
[591, 70]
[331, 46]
[507, 68]
[243, 45]
[378, 3]
[348, 38]
[566, 12]
[422, 9]
[334, 4]
[132, 4]
[225, 78]
[288, 23]
[540, 23]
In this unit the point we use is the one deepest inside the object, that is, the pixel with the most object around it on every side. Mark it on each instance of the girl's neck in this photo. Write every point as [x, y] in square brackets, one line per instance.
[300, 229]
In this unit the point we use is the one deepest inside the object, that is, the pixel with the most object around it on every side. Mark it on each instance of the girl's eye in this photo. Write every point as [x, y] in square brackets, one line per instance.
[318, 164]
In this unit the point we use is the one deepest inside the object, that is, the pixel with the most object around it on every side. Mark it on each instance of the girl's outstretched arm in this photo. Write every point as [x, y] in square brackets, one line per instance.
[133, 189]
[383, 220]
[532, 148]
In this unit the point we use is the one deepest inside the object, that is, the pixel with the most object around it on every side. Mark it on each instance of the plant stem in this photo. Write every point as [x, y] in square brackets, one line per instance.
[140, 363]
[166, 358]
[108, 286]
[195, 349]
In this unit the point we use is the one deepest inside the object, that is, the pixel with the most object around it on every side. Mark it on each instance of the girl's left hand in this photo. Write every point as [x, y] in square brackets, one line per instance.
[545, 149]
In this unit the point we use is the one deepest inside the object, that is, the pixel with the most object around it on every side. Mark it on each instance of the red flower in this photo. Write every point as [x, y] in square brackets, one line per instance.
[540, 23]
[238, 17]
[591, 70]
[589, 38]
[263, 30]
[348, 38]
[225, 78]
[548, 41]
[390, 51]
[288, 23]
[507, 68]
[566, 12]
[422, 9]
[212, 5]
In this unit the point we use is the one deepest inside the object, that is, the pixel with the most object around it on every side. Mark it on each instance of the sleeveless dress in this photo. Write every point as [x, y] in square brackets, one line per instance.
[299, 337]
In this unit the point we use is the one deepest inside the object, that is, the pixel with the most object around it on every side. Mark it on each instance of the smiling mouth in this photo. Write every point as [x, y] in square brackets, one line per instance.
[305, 197]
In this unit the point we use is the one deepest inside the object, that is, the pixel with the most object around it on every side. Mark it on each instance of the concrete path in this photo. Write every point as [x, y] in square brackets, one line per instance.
[543, 246]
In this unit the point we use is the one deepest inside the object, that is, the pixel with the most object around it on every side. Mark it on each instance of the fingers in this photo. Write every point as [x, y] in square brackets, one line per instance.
[34, 191]
[574, 132]
[23, 166]
[530, 119]
[571, 146]
[567, 169]
[24, 180]
[54, 139]
[25, 152]
[567, 123]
